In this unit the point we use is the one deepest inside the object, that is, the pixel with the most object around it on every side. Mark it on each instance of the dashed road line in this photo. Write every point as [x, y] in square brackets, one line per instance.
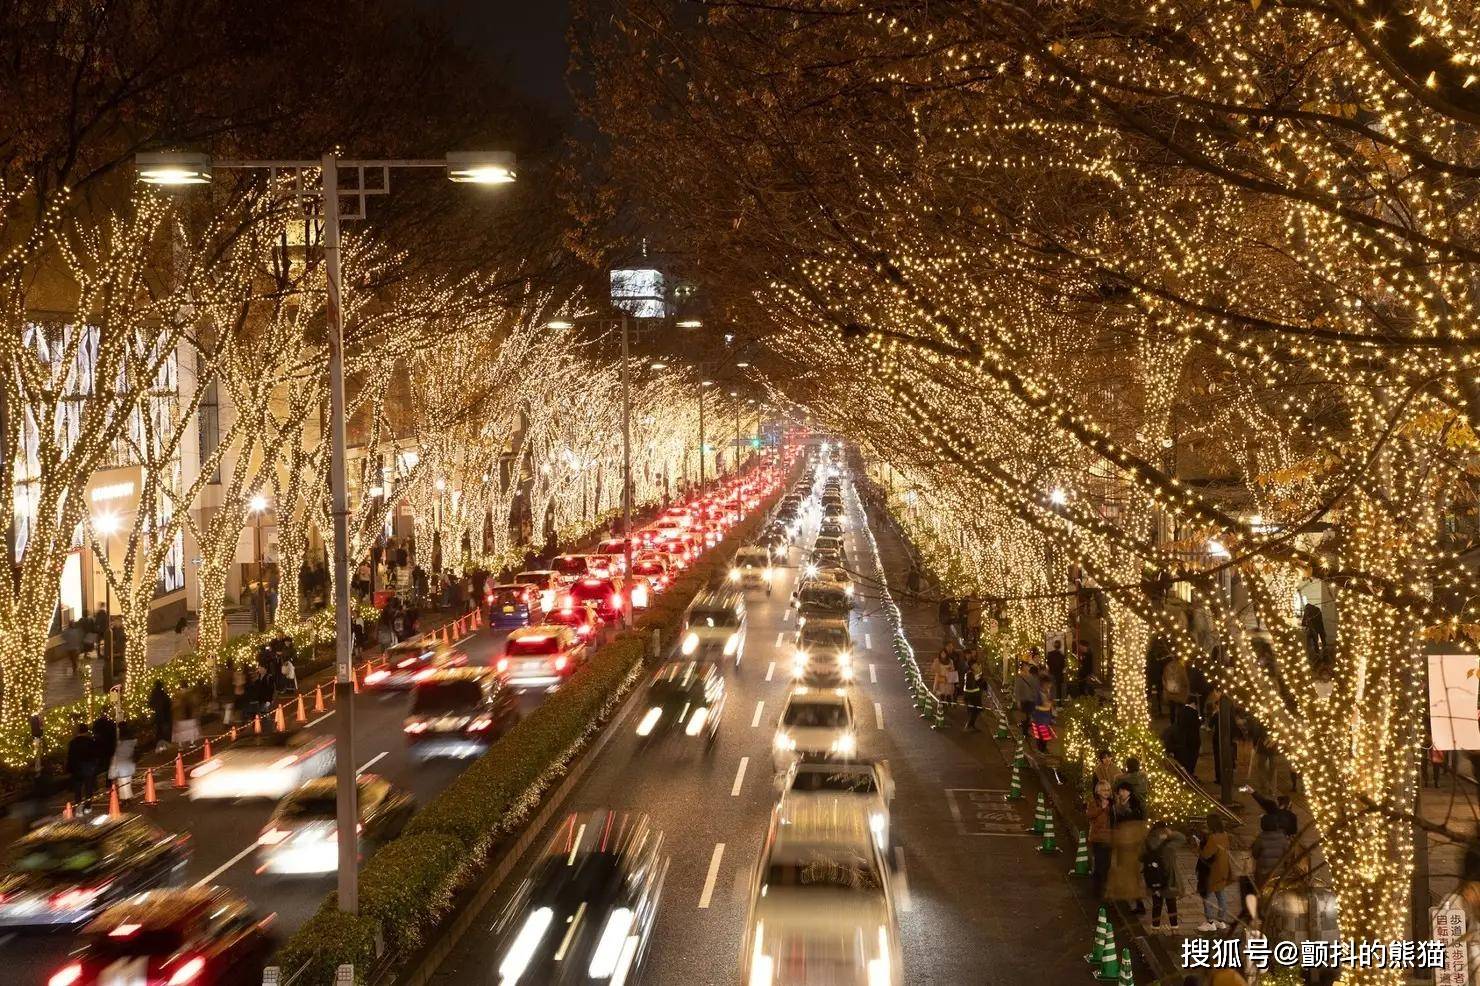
[739, 777]
[708, 893]
[755, 720]
[878, 715]
[770, 670]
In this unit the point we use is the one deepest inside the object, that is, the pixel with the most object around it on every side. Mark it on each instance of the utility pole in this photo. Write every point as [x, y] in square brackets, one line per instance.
[627, 478]
[701, 427]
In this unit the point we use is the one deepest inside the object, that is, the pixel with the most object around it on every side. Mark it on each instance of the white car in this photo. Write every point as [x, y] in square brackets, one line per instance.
[817, 721]
[822, 909]
[714, 626]
[751, 568]
[824, 654]
[265, 766]
[815, 788]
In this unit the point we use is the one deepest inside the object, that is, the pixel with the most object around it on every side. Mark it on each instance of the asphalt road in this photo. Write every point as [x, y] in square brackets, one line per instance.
[976, 907]
[224, 833]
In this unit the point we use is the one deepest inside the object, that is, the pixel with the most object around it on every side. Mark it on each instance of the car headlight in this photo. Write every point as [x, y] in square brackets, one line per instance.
[732, 644]
[649, 720]
[845, 658]
[769, 575]
[734, 575]
[811, 570]
[690, 643]
[785, 742]
[696, 721]
[845, 744]
[846, 672]
[848, 590]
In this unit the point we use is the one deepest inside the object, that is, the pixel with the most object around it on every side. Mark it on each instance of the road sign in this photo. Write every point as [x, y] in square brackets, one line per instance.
[985, 811]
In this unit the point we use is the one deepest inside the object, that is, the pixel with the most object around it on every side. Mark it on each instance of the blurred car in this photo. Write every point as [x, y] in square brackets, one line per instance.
[542, 579]
[751, 567]
[822, 908]
[604, 592]
[585, 912]
[654, 569]
[66, 871]
[715, 625]
[568, 568]
[512, 605]
[834, 510]
[814, 720]
[583, 620]
[458, 713]
[410, 661]
[824, 654]
[196, 936]
[265, 766]
[605, 566]
[818, 599]
[686, 696]
[831, 528]
[815, 787]
[541, 655]
[820, 558]
[618, 546]
[302, 836]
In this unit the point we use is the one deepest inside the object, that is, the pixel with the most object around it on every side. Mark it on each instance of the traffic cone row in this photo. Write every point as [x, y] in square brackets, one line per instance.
[318, 698]
[1001, 732]
[1127, 978]
[151, 796]
[300, 715]
[1020, 759]
[180, 782]
[1081, 859]
[279, 721]
[1015, 789]
[1049, 846]
[1104, 941]
[114, 808]
[1040, 816]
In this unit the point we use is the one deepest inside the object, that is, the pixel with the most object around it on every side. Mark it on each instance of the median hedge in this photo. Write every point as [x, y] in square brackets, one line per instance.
[409, 885]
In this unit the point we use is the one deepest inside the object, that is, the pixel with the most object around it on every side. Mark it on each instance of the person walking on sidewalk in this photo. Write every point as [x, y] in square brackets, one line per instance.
[1137, 780]
[971, 691]
[159, 707]
[943, 681]
[1057, 660]
[1127, 842]
[1098, 814]
[1105, 769]
[1043, 718]
[1279, 809]
[1216, 881]
[82, 764]
[1025, 693]
[1084, 669]
[1163, 878]
[121, 769]
[1268, 850]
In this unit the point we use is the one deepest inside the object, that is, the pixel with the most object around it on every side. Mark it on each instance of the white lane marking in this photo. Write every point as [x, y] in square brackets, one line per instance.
[314, 722]
[708, 893]
[873, 675]
[211, 876]
[868, 642]
[770, 670]
[755, 720]
[905, 903]
[780, 636]
[878, 715]
[373, 761]
[739, 777]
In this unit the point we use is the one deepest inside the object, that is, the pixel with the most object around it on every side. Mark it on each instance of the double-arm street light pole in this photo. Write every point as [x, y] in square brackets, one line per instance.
[169, 169]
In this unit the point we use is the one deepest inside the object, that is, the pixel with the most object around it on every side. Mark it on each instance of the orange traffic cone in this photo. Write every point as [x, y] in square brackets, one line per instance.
[354, 680]
[67, 811]
[318, 698]
[278, 722]
[206, 751]
[231, 737]
[257, 725]
[114, 808]
[180, 781]
[300, 715]
[151, 797]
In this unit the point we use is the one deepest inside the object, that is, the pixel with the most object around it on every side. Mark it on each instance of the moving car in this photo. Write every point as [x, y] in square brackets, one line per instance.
[67, 871]
[265, 766]
[541, 655]
[585, 913]
[605, 592]
[824, 653]
[822, 909]
[302, 836]
[458, 713]
[568, 568]
[817, 599]
[544, 580]
[582, 620]
[751, 567]
[605, 565]
[512, 604]
[409, 661]
[815, 787]
[196, 936]
[814, 720]
[687, 697]
[715, 624]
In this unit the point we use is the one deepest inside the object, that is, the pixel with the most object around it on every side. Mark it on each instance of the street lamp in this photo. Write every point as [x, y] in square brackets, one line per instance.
[177, 169]
[256, 506]
[107, 524]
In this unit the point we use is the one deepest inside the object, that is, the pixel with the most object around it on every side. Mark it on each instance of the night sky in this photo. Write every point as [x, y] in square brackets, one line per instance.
[527, 37]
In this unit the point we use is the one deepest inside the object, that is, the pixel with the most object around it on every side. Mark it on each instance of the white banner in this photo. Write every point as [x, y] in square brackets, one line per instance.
[1454, 701]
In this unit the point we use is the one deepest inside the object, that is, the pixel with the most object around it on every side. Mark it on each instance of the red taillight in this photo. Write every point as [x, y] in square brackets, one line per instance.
[67, 900]
[188, 971]
[66, 975]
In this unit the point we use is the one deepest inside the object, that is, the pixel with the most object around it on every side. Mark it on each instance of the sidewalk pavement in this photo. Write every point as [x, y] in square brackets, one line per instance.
[63, 686]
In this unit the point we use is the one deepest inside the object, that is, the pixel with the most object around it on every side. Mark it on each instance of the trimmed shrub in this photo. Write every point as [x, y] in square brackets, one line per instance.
[407, 886]
[326, 941]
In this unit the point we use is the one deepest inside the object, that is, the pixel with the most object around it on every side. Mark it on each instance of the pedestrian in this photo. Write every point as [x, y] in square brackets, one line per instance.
[1186, 737]
[105, 737]
[72, 648]
[973, 621]
[186, 712]
[943, 681]
[289, 673]
[1025, 694]
[82, 764]
[960, 663]
[159, 708]
[1163, 878]
[1216, 882]
[1268, 850]
[1105, 769]
[1084, 669]
[1136, 778]
[1042, 715]
[1098, 814]
[1057, 660]
[1127, 842]
[1214, 718]
[971, 689]
[1278, 808]
[945, 613]
[121, 767]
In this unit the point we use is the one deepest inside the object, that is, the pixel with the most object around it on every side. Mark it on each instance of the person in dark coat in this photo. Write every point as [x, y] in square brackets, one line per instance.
[1186, 737]
[159, 706]
[1057, 661]
[105, 738]
[82, 763]
[1084, 670]
[1279, 810]
[1268, 850]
